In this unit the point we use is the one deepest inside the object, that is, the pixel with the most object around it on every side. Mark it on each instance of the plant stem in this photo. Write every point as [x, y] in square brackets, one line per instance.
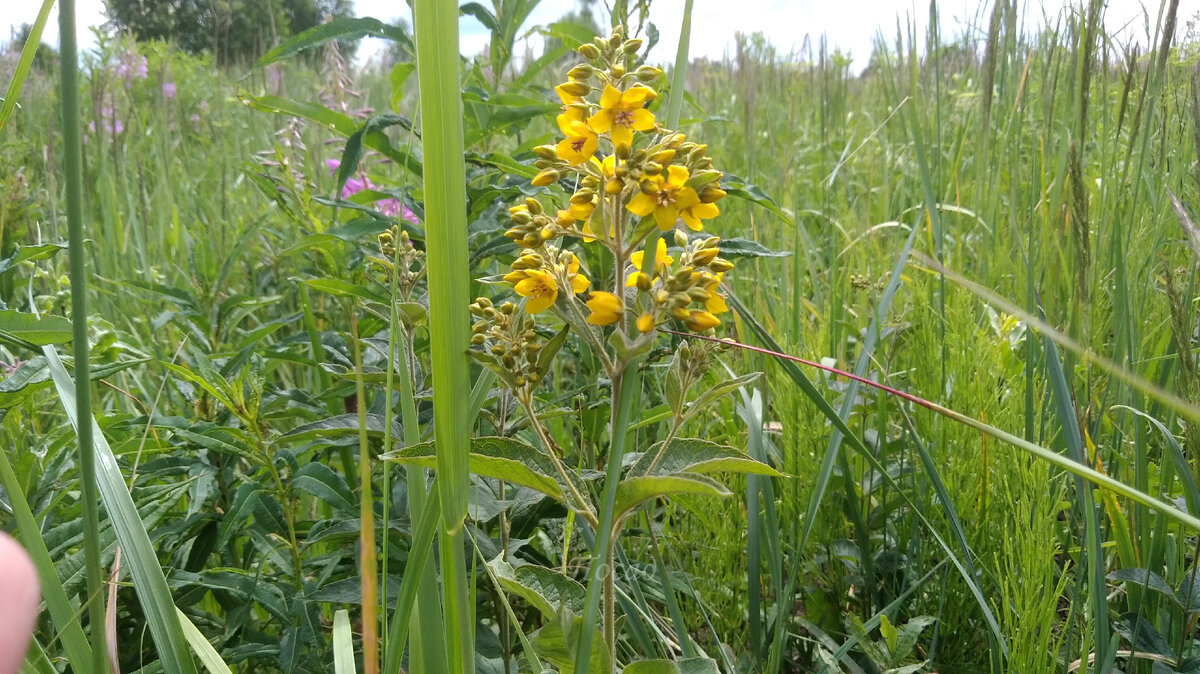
[89, 496]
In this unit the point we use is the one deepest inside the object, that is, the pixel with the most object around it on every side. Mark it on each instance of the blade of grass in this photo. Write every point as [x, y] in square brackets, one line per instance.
[139, 554]
[366, 515]
[17, 83]
[436, 31]
[209, 657]
[343, 644]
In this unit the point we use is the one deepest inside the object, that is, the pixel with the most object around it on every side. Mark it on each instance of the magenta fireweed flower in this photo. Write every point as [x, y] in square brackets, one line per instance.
[132, 66]
[168, 89]
[109, 122]
[389, 207]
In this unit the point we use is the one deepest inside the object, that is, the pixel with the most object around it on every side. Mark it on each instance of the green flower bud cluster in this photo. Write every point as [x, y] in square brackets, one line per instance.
[506, 342]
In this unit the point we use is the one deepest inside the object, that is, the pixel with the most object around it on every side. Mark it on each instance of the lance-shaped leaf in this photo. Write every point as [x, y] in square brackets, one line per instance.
[24, 330]
[693, 455]
[40, 251]
[719, 390]
[633, 491]
[545, 589]
[500, 458]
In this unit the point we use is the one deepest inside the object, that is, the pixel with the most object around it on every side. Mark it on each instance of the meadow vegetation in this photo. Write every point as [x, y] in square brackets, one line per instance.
[343, 422]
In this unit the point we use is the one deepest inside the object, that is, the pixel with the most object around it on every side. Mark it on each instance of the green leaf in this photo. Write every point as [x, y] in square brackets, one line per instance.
[343, 643]
[1142, 635]
[342, 288]
[739, 247]
[693, 455]
[719, 390]
[651, 667]
[397, 77]
[29, 331]
[1144, 578]
[29, 254]
[545, 589]
[633, 491]
[550, 349]
[348, 28]
[319, 480]
[341, 425]
[890, 635]
[500, 458]
[9, 102]
[738, 187]
[698, 666]
[559, 648]
[209, 657]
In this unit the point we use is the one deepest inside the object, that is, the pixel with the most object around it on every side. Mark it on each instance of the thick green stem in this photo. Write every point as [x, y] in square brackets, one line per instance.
[89, 497]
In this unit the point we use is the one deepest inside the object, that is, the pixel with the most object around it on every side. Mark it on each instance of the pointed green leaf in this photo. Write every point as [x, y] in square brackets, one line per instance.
[209, 657]
[500, 458]
[343, 643]
[633, 491]
[29, 331]
[29, 254]
[545, 589]
[319, 480]
[693, 455]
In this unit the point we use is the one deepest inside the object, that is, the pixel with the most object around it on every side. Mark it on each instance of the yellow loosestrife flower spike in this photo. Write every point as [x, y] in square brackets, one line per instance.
[622, 113]
[606, 308]
[670, 196]
[541, 289]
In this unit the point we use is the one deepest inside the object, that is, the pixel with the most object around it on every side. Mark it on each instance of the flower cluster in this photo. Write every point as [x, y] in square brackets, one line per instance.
[132, 66]
[397, 255]
[354, 184]
[510, 344]
[629, 177]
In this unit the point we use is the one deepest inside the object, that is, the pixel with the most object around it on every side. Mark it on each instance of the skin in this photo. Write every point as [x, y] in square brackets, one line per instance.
[20, 595]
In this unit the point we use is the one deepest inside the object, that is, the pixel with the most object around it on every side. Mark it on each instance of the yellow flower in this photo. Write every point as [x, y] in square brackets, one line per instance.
[645, 323]
[580, 142]
[579, 282]
[622, 113]
[541, 289]
[606, 308]
[699, 321]
[694, 213]
[670, 196]
[661, 259]
[715, 303]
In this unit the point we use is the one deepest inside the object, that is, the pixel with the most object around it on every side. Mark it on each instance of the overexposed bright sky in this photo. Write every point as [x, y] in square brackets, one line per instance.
[850, 25]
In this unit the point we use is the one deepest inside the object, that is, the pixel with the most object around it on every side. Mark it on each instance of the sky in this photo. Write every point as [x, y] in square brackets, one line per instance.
[849, 25]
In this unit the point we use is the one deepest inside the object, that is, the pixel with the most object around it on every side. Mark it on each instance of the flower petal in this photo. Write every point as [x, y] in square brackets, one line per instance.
[643, 204]
[610, 98]
[666, 216]
[580, 283]
[600, 122]
[643, 120]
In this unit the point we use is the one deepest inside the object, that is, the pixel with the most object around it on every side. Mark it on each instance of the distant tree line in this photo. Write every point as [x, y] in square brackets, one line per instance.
[232, 30]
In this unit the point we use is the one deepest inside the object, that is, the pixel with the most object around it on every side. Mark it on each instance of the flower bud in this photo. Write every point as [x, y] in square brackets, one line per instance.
[601, 43]
[582, 71]
[521, 217]
[622, 151]
[546, 177]
[613, 187]
[589, 51]
[576, 88]
[544, 163]
[632, 46]
[720, 265]
[648, 187]
[547, 232]
[530, 240]
[663, 156]
[533, 205]
[704, 256]
[645, 323]
[617, 70]
[564, 219]
[681, 239]
[545, 152]
[676, 140]
[643, 282]
[652, 168]
[710, 194]
[497, 350]
[477, 340]
[647, 74]
[583, 196]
